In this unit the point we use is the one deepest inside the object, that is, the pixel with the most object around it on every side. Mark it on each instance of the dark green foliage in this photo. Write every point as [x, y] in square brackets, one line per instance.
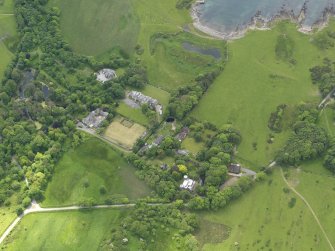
[148, 222]
[135, 76]
[285, 48]
[34, 135]
[275, 121]
[323, 41]
[292, 202]
[329, 161]
[186, 98]
[324, 76]
[307, 142]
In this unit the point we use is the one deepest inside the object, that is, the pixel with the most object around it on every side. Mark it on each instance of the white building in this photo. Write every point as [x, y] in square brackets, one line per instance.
[105, 75]
[141, 99]
[188, 183]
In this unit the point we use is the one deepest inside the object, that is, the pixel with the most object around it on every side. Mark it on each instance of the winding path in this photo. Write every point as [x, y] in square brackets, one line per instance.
[309, 207]
[324, 103]
[36, 208]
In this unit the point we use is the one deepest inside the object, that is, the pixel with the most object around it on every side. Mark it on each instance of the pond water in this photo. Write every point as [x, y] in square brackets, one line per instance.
[45, 90]
[214, 52]
[28, 76]
[231, 15]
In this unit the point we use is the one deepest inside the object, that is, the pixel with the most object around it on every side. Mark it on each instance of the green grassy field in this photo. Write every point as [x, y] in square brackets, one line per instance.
[263, 220]
[157, 93]
[77, 230]
[317, 185]
[255, 82]
[326, 120]
[95, 27]
[6, 7]
[170, 63]
[7, 216]
[191, 145]
[135, 115]
[7, 32]
[81, 172]
[80, 230]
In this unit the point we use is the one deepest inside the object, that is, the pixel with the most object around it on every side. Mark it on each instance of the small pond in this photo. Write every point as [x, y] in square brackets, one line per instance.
[214, 52]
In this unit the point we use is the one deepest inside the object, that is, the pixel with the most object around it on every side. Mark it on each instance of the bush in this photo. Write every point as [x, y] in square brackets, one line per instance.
[26, 202]
[102, 190]
[292, 202]
[19, 211]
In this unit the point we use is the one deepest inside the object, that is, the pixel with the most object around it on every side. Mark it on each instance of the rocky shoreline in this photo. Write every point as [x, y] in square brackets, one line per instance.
[258, 22]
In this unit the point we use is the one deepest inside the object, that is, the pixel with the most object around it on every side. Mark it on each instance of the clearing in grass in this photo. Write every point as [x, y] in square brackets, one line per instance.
[255, 81]
[268, 217]
[124, 132]
[93, 171]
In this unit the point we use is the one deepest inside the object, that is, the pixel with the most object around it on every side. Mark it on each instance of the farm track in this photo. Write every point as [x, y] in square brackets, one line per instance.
[309, 207]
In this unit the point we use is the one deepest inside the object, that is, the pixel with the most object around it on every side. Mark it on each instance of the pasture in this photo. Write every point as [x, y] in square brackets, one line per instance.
[317, 185]
[95, 27]
[76, 230]
[124, 132]
[264, 219]
[84, 172]
[255, 82]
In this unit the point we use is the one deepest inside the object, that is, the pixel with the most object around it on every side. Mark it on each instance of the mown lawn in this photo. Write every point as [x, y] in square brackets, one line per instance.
[83, 171]
[76, 230]
[191, 145]
[263, 220]
[255, 82]
[95, 27]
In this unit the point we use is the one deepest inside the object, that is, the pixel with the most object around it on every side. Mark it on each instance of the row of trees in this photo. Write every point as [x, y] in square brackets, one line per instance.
[184, 99]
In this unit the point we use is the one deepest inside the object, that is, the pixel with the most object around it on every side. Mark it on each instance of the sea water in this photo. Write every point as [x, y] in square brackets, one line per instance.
[231, 15]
